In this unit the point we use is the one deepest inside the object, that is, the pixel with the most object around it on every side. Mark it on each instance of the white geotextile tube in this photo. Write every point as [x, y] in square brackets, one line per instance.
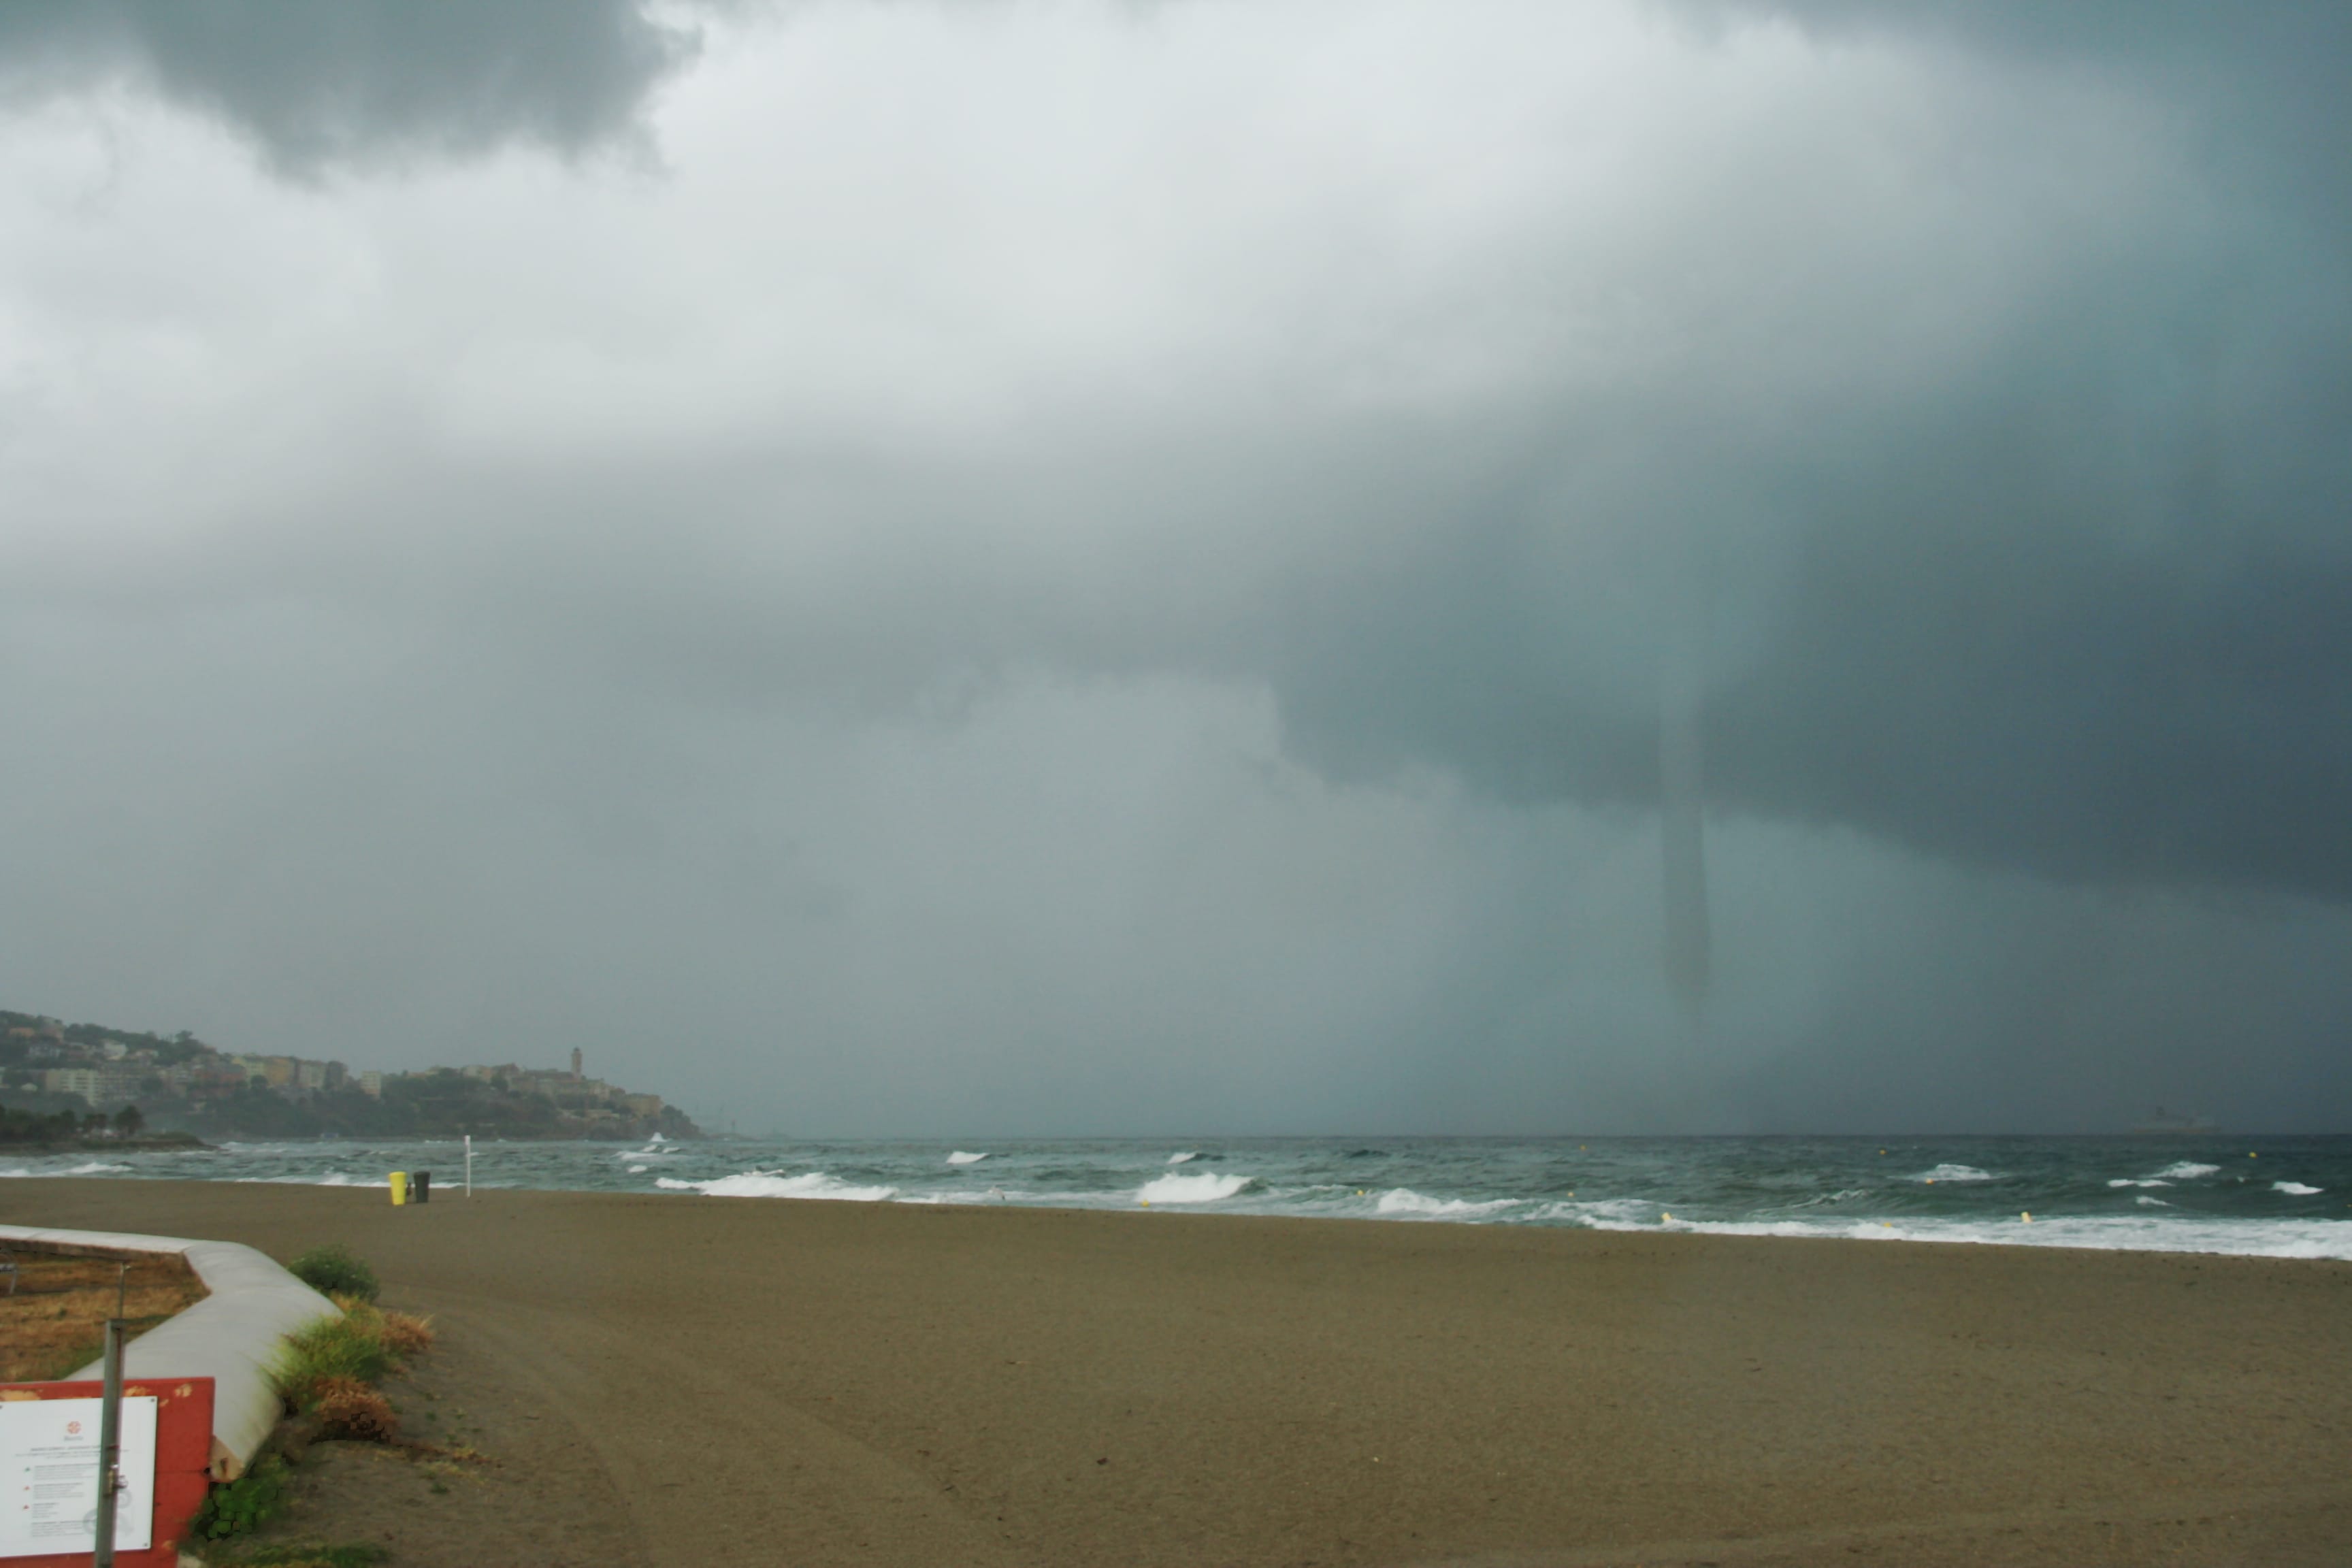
[231, 1336]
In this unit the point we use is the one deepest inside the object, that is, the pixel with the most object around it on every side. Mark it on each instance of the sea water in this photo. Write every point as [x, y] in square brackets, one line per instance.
[2279, 1197]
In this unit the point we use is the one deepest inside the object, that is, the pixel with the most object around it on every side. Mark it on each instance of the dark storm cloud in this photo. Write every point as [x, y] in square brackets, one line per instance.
[359, 81]
[904, 600]
[2083, 611]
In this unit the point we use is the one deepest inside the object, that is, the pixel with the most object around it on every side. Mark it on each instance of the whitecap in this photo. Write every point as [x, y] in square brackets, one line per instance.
[639, 1170]
[2149, 1203]
[2295, 1189]
[1606, 1214]
[2148, 1182]
[961, 1157]
[1178, 1159]
[764, 1184]
[1953, 1173]
[2133, 1232]
[332, 1179]
[1208, 1187]
[2189, 1170]
[1405, 1200]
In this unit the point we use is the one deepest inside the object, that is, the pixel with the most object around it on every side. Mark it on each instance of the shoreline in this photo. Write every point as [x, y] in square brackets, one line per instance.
[827, 1382]
[2285, 1198]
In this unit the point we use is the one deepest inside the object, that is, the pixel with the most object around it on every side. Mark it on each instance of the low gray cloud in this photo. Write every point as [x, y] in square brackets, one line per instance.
[360, 82]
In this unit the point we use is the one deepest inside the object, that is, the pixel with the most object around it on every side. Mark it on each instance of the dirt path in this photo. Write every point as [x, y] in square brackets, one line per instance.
[689, 1381]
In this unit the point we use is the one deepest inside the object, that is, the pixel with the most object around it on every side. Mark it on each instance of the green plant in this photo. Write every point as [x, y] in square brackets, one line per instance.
[328, 1348]
[334, 1270]
[246, 1503]
[311, 1554]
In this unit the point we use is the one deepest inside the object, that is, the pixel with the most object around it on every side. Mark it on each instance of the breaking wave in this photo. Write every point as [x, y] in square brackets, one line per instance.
[763, 1184]
[963, 1157]
[1208, 1187]
[1404, 1203]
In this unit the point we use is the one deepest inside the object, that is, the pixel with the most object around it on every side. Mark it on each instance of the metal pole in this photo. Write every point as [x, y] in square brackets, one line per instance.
[469, 1164]
[110, 1444]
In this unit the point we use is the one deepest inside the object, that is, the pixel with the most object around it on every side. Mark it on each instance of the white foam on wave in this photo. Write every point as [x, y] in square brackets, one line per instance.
[332, 1179]
[1842, 1195]
[2149, 1203]
[639, 1170]
[2296, 1188]
[767, 1184]
[1208, 1187]
[1404, 1203]
[964, 1157]
[89, 1168]
[2320, 1238]
[2147, 1182]
[1954, 1173]
[1184, 1155]
[1604, 1213]
[2188, 1170]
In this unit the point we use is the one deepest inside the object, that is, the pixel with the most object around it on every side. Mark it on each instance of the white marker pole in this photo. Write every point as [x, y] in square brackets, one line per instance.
[469, 1164]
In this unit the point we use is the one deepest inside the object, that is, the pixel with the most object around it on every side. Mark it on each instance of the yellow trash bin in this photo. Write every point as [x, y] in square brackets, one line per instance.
[400, 1186]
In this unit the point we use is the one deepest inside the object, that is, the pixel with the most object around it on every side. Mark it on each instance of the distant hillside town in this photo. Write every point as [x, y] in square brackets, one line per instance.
[181, 1083]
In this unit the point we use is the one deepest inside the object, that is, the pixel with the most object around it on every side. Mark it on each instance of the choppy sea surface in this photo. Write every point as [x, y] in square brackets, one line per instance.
[2279, 1197]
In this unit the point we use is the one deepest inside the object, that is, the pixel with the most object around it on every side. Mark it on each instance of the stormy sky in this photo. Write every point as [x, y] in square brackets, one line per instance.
[963, 567]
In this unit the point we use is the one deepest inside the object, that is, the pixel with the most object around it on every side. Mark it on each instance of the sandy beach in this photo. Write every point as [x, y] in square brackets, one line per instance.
[699, 1381]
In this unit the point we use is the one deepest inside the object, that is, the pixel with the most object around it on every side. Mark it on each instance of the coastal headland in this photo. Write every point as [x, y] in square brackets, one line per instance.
[748, 1381]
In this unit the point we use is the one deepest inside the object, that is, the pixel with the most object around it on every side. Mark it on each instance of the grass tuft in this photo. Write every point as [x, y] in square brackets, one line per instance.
[348, 1408]
[310, 1555]
[406, 1335]
[347, 1348]
[335, 1270]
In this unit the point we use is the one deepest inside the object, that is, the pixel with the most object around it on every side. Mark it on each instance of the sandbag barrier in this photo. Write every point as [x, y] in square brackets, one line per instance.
[231, 1336]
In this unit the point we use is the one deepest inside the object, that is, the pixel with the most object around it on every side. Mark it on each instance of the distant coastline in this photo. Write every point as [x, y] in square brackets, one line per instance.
[75, 1086]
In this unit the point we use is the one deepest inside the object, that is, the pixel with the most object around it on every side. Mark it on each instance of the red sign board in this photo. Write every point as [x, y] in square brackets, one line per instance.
[183, 1444]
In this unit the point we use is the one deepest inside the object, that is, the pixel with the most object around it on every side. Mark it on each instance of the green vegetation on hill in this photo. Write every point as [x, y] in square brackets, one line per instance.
[441, 1103]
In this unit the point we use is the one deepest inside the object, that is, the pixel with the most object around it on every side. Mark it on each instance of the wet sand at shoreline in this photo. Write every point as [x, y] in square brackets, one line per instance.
[759, 1381]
